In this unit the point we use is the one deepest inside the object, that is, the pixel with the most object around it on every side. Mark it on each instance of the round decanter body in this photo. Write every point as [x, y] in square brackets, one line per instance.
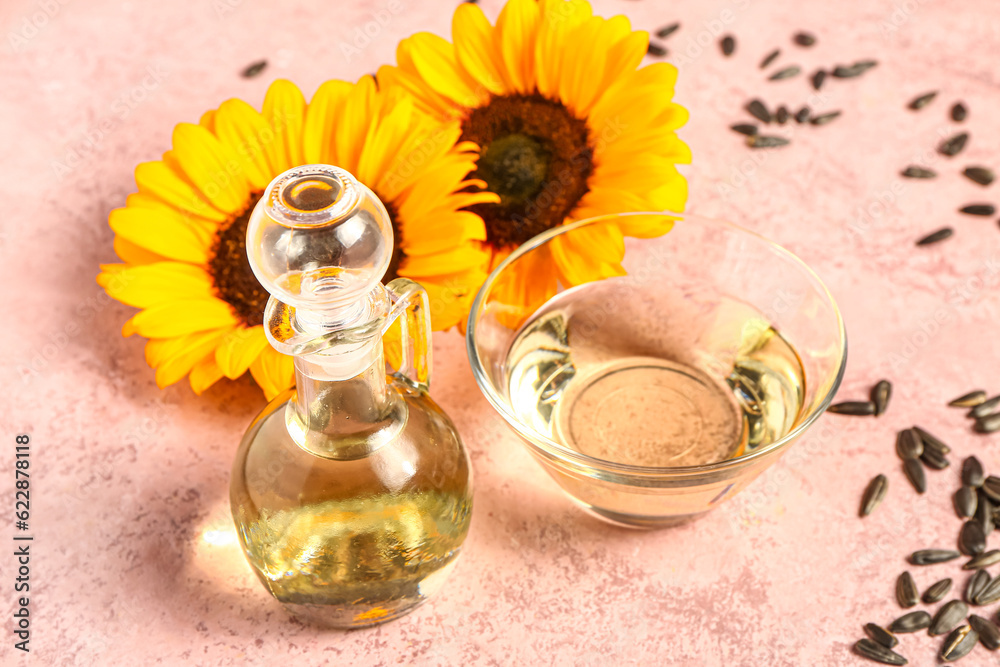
[346, 540]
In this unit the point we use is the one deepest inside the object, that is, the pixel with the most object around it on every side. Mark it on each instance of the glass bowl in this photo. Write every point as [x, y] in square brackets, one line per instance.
[657, 377]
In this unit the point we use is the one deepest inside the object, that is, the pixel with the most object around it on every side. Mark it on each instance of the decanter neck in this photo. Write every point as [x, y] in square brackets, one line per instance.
[344, 418]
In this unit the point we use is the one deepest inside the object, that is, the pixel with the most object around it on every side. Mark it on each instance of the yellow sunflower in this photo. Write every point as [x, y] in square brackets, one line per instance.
[182, 235]
[568, 124]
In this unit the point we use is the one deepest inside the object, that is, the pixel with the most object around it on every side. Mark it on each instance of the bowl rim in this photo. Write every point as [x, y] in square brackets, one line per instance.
[552, 449]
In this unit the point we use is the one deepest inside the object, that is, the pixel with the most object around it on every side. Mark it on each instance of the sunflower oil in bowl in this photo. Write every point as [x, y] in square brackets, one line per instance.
[704, 380]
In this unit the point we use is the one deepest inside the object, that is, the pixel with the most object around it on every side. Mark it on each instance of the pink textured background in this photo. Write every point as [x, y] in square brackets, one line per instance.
[134, 555]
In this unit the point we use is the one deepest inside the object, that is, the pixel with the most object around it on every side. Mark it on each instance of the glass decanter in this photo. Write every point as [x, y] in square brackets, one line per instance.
[352, 492]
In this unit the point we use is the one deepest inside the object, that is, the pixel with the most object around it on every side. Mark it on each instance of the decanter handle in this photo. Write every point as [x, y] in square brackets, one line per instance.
[410, 303]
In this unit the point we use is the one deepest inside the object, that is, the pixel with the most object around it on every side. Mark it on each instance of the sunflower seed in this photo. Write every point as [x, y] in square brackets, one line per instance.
[918, 172]
[972, 472]
[880, 395]
[936, 592]
[666, 31]
[802, 115]
[854, 408]
[906, 590]
[932, 459]
[991, 557]
[980, 175]
[782, 115]
[990, 424]
[875, 651]
[970, 400]
[959, 112]
[948, 616]
[939, 235]
[766, 141]
[728, 45]
[959, 643]
[845, 72]
[971, 539]
[989, 633]
[825, 118]
[989, 594]
[933, 556]
[254, 69]
[759, 111]
[817, 79]
[786, 73]
[908, 444]
[873, 495]
[857, 69]
[744, 128]
[880, 635]
[930, 442]
[915, 473]
[985, 512]
[978, 209]
[804, 39]
[915, 620]
[991, 487]
[769, 58]
[985, 408]
[966, 500]
[976, 583]
[922, 101]
[954, 145]
[656, 50]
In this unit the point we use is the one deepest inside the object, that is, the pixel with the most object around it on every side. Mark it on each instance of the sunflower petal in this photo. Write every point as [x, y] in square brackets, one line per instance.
[176, 318]
[204, 374]
[559, 19]
[161, 350]
[450, 296]
[134, 254]
[434, 59]
[575, 268]
[181, 362]
[474, 47]
[321, 120]
[354, 122]
[161, 231]
[450, 261]
[212, 166]
[237, 351]
[273, 372]
[285, 110]
[448, 229]
[405, 77]
[239, 126]
[159, 180]
[517, 27]
[148, 285]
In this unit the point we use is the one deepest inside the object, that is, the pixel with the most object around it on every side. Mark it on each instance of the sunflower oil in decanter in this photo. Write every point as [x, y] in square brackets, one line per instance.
[351, 493]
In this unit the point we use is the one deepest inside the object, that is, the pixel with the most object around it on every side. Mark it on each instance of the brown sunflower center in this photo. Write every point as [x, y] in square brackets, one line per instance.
[537, 156]
[234, 280]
